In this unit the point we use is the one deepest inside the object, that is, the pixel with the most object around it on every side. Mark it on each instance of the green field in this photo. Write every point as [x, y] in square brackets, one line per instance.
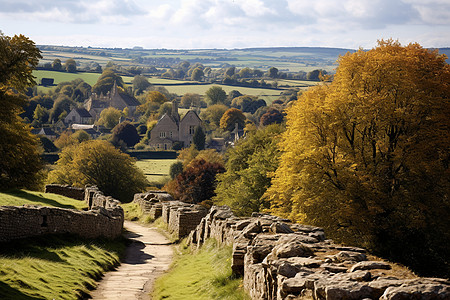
[156, 170]
[22, 197]
[90, 78]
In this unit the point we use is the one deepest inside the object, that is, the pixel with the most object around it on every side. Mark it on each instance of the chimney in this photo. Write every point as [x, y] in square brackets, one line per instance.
[174, 113]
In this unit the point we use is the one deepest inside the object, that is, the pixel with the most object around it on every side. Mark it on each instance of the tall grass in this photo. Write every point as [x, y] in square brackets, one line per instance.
[55, 267]
[203, 274]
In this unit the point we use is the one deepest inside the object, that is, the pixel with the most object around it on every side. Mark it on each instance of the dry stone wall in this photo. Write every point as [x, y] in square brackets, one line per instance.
[181, 218]
[281, 260]
[65, 190]
[105, 219]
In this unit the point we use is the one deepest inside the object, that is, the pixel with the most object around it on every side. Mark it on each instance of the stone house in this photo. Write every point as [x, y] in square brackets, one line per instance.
[171, 129]
[79, 116]
[96, 103]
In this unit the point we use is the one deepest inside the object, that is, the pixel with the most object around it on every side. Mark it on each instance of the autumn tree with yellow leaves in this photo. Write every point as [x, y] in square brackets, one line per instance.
[367, 156]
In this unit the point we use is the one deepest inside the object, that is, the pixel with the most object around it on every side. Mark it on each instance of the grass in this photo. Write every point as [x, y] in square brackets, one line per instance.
[23, 197]
[55, 267]
[156, 170]
[204, 274]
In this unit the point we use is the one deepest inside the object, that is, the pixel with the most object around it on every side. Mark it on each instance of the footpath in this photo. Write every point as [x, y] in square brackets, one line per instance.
[148, 256]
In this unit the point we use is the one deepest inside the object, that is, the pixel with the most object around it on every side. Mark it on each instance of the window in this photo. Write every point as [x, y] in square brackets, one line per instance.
[191, 129]
[171, 134]
[162, 134]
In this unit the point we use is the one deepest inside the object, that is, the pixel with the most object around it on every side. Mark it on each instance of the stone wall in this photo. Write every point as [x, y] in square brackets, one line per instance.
[105, 219]
[151, 202]
[281, 260]
[65, 190]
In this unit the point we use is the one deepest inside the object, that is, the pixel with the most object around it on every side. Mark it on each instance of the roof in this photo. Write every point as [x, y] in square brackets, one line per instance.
[82, 126]
[130, 101]
[190, 112]
[47, 131]
[83, 112]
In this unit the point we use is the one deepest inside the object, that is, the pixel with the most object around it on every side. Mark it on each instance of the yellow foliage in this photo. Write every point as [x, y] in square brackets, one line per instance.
[369, 152]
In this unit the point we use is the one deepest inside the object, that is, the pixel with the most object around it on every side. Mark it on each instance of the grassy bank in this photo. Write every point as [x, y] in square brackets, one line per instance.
[22, 197]
[55, 267]
[203, 274]
[52, 267]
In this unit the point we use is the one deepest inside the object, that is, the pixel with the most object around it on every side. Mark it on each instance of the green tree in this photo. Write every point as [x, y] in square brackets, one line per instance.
[70, 65]
[367, 156]
[199, 138]
[248, 168]
[230, 118]
[140, 84]
[190, 99]
[57, 65]
[125, 132]
[197, 74]
[175, 169]
[40, 114]
[109, 117]
[216, 95]
[98, 163]
[273, 72]
[20, 162]
[212, 115]
[63, 104]
[106, 81]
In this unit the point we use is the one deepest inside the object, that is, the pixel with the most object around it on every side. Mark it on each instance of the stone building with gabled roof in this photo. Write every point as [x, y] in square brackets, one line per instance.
[96, 103]
[79, 116]
[171, 129]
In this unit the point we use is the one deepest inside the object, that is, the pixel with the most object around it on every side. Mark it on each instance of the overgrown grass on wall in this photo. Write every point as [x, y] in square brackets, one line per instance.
[203, 274]
[55, 267]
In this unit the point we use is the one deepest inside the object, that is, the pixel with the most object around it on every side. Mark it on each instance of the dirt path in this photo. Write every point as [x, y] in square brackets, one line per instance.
[146, 258]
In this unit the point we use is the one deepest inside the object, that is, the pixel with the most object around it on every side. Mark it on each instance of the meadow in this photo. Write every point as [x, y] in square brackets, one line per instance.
[156, 170]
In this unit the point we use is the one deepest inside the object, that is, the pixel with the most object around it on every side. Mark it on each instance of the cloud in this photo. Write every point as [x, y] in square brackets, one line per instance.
[72, 11]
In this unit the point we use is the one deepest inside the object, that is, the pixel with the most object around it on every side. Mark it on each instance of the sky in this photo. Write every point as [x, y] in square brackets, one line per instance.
[208, 24]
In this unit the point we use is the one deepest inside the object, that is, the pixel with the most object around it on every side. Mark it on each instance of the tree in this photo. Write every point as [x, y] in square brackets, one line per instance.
[197, 182]
[109, 117]
[125, 132]
[140, 84]
[57, 65]
[230, 118]
[199, 138]
[216, 95]
[20, 162]
[190, 99]
[70, 66]
[106, 81]
[197, 74]
[175, 169]
[212, 115]
[366, 156]
[315, 75]
[248, 103]
[273, 72]
[99, 163]
[40, 114]
[248, 166]
[272, 116]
